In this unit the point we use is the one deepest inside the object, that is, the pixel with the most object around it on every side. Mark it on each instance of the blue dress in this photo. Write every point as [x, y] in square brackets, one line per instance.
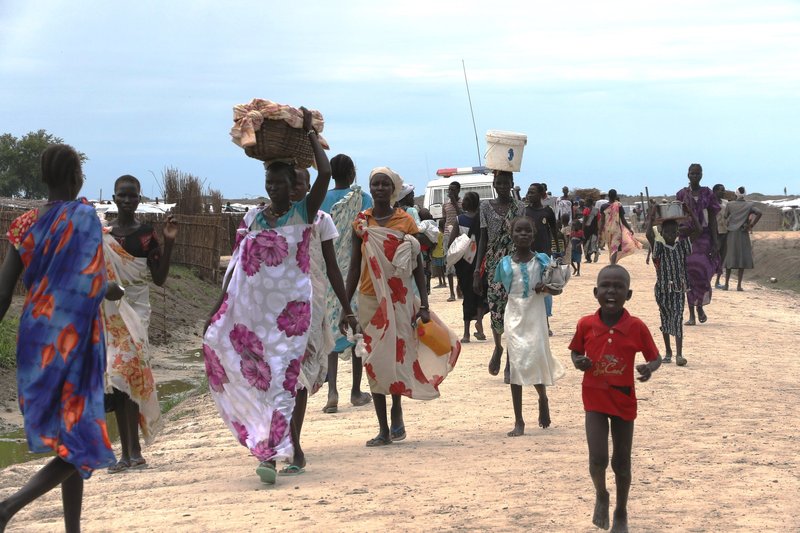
[61, 356]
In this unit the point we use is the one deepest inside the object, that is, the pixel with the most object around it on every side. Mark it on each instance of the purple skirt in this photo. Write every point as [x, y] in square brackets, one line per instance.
[701, 266]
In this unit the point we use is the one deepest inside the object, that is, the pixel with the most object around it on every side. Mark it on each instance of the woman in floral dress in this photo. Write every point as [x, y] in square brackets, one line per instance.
[385, 261]
[132, 250]
[255, 340]
[61, 355]
[615, 230]
[494, 244]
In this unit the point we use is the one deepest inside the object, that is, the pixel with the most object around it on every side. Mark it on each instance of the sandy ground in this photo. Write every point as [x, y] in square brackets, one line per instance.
[715, 448]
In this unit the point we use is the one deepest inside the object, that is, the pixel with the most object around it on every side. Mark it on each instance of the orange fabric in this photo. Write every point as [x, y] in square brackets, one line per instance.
[20, 226]
[400, 221]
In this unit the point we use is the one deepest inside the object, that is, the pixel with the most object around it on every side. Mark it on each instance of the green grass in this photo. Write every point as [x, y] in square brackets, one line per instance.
[177, 399]
[8, 342]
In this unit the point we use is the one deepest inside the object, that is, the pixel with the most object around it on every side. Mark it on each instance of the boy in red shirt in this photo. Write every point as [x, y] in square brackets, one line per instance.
[604, 348]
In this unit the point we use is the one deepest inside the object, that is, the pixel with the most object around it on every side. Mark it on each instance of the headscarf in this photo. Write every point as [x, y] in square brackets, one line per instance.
[396, 180]
[406, 190]
[740, 192]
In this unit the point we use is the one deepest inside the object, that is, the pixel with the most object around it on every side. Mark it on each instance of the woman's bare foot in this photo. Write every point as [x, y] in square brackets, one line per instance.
[620, 521]
[544, 413]
[690, 322]
[519, 429]
[600, 517]
[494, 362]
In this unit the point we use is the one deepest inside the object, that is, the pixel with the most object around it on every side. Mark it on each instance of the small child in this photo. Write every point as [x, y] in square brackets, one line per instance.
[566, 230]
[669, 258]
[528, 342]
[438, 256]
[604, 348]
[576, 241]
[428, 236]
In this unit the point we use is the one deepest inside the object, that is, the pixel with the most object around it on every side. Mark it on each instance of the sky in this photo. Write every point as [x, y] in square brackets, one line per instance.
[619, 94]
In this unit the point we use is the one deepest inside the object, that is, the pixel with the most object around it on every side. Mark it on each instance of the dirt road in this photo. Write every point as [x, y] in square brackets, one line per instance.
[715, 448]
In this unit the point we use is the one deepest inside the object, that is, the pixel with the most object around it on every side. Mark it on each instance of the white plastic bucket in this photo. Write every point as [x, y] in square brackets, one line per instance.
[504, 150]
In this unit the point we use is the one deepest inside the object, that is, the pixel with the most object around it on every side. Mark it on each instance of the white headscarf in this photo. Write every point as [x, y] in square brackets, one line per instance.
[740, 192]
[396, 180]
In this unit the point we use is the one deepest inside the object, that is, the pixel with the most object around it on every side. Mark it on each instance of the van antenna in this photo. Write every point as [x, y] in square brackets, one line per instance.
[469, 97]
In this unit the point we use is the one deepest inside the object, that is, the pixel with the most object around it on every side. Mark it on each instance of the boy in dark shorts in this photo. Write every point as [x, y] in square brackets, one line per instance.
[604, 348]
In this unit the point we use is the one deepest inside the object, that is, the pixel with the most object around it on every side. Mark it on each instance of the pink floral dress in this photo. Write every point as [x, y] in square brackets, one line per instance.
[254, 345]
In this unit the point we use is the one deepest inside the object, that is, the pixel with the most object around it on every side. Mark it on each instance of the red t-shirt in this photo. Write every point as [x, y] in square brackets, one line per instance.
[612, 351]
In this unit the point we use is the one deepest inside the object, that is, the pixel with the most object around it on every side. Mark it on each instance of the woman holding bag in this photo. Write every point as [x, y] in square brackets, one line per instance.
[469, 224]
[385, 261]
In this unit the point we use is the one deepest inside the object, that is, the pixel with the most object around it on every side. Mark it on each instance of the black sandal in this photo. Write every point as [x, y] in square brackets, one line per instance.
[380, 440]
[398, 434]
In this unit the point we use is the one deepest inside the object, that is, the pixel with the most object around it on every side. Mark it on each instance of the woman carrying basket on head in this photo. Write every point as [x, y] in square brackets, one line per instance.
[385, 261]
[255, 339]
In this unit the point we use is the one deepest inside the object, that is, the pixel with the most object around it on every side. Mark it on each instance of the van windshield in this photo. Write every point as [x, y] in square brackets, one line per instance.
[485, 192]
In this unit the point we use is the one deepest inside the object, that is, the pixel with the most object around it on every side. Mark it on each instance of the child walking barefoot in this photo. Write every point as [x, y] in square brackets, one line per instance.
[669, 258]
[576, 240]
[528, 342]
[604, 348]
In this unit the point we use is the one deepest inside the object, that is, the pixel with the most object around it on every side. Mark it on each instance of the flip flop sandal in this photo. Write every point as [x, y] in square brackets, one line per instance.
[667, 359]
[451, 299]
[464, 340]
[331, 408]
[378, 441]
[681, 360]
[398, 434]
[480, 336]
[121, 466]
[141, 462]
[292, 470]
[266, 471]
[702, 319]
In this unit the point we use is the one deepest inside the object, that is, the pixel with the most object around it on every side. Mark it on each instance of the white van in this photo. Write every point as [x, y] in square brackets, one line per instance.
[472, 179]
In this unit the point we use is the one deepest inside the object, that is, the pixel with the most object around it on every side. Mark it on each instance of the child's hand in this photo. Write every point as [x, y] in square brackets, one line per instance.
[114, 291]
[582, 362]
[348, 321]
[539, 288]
[645, 371]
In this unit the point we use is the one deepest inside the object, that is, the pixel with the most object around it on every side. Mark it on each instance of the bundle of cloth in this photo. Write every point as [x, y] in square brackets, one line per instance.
[247, 119]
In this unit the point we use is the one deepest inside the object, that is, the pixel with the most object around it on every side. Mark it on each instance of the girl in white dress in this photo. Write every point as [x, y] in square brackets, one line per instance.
[528, 342]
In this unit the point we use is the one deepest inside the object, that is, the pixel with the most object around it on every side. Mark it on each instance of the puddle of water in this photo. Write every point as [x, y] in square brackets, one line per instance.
[14, 447]
[189, 356]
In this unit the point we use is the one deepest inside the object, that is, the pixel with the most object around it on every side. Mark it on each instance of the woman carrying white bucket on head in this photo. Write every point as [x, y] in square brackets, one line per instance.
[504, 150]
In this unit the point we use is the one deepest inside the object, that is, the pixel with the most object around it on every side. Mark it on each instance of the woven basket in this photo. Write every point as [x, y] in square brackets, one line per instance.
[277, 140]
